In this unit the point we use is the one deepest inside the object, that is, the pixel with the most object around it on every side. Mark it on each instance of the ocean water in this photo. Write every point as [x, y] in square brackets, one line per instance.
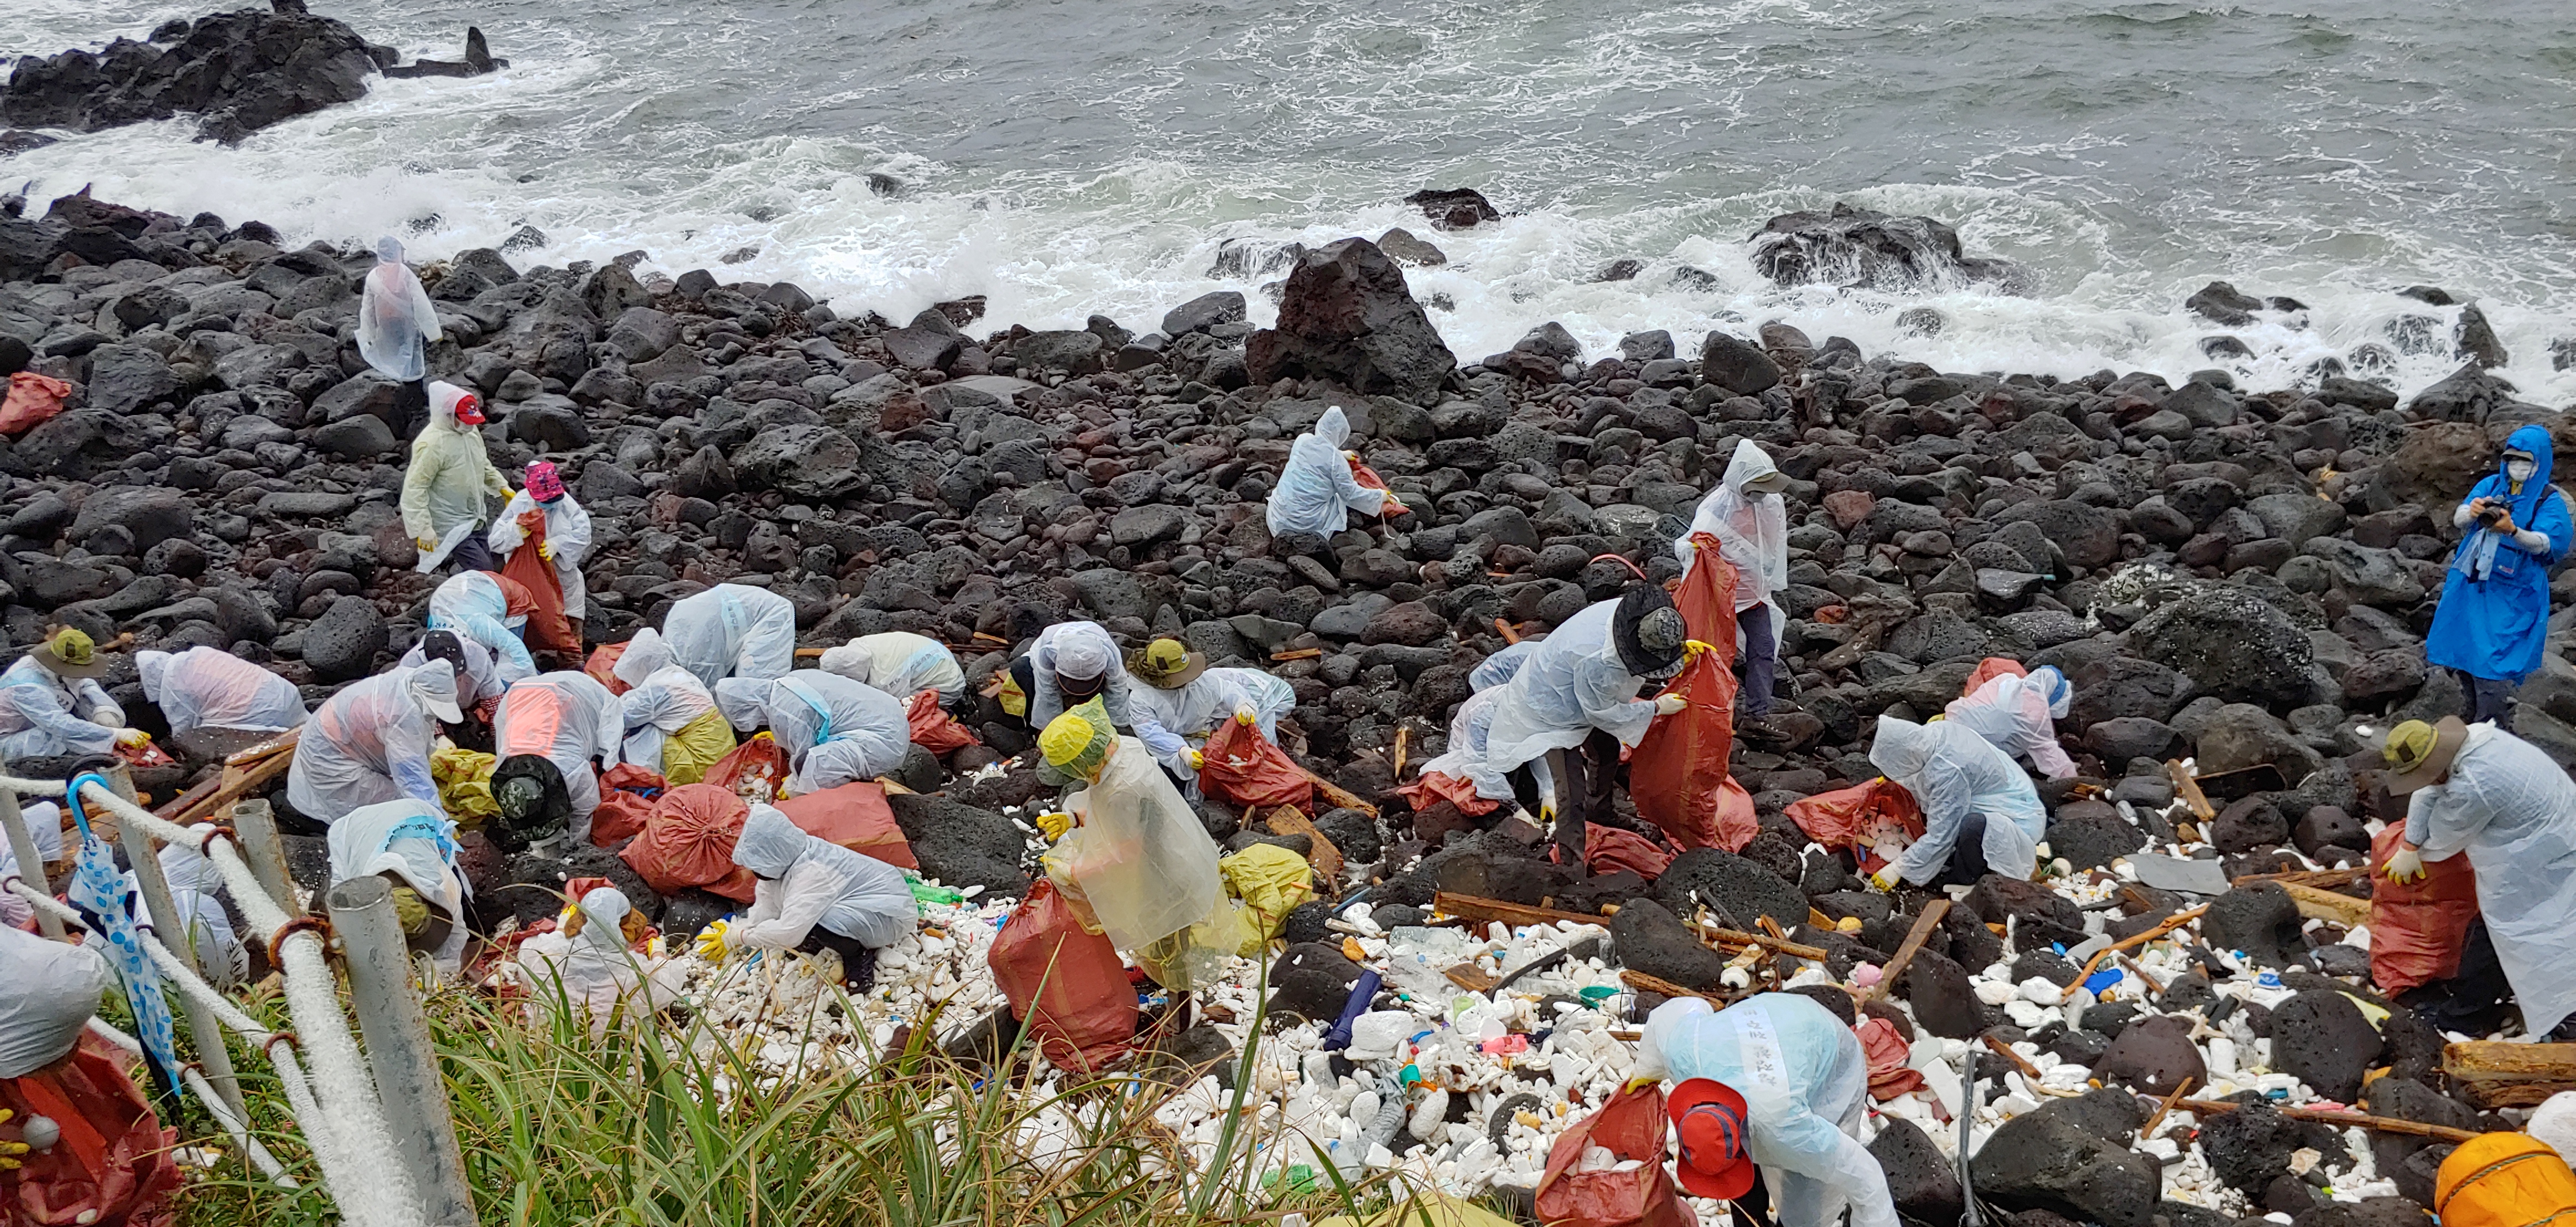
[1066, 157]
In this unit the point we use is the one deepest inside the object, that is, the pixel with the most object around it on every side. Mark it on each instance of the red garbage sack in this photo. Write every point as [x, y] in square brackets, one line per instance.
[1631, 1125]
[935, 730]
[547, 629]
[1843, 818]
[1888, 1052]
[1677, 774]
[602, 666]
[1988, 670]
[1609, 850]
[756, 769]
[635, 778]
[688, 841]
[855, 816]
[1243, 768]
[1068, 987]
[2418, 928]
[113, 1162]
[33, 400]
[1432, 787]
[626, 796]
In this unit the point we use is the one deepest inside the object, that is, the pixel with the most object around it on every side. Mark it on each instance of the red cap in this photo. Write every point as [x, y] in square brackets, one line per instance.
[469, 409]
[1709, 1118]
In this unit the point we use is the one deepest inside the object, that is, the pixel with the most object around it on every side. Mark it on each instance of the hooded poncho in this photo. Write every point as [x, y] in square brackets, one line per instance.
[805, 881]
[1317, 490]
[1752, 531]
[2493, 621]
[1952, 773]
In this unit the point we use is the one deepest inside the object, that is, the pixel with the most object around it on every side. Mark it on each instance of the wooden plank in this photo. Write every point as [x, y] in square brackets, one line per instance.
[2322, 879]
[1472, 978]
[2326, 905]
[249, 781]
[1645, 983]
[1327, 860]
[1913, 945]
[187, 800]
[2180, 1089]
[1510, 636]
[2495, 1061]
[2171, 923]
[1342, 798]
[2020, 1062]
[1730, 939]
[270, 748]
[1297, 654]
[2189, 790]
[1403, 734]
[2382, 1124]
[1470, 907]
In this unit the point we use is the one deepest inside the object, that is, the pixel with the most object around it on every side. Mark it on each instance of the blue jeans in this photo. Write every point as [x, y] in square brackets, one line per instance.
[2489, 699]
[1761, 660]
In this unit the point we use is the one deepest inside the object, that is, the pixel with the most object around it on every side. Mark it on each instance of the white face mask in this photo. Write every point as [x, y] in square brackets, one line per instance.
[2520, 470]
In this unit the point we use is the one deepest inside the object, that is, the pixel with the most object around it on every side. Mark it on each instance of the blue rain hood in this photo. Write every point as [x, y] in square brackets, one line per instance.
[2493, 621]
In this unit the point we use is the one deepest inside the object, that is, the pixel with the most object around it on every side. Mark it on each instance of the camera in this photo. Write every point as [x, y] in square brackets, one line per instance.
[2490, 515]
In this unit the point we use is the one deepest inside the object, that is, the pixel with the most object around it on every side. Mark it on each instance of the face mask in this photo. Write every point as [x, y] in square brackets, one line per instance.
[2520, 470]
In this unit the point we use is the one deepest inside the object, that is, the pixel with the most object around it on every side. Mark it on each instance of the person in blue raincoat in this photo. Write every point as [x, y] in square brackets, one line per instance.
[2494, 617]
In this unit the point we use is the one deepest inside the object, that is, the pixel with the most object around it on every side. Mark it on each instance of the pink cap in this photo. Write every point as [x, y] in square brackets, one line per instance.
[544, 484]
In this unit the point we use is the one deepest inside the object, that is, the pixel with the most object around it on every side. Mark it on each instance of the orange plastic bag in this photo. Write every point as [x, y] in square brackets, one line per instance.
[1067, 986]
[1988, 670]
[547, 629]
[688, 841]
[756, 770]
[2418, 928]
[626, 796]
[1631, 1126]
[935, 730]
[1844, 817]
[33, 399]
[1435, 786]
[113, 1163]
[1243, 768]
[2503, 1180]
[1609, 850]
[856, 817]
[1678, 774]
[1888, 1052]
[602, 666]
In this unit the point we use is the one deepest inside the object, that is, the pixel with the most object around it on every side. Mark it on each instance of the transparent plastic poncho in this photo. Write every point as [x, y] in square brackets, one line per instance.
[1141, 858]
[2513, 810]
[396, 321]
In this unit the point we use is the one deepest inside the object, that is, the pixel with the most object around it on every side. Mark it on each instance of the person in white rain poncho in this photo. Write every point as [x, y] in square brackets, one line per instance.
[478, 680]
[1184, 700]
[412, 845]
[1751, 523]
[396, 324]
[45, 821]
[1980, 813]
[477, 606]
[672, 724]
[1578, 688]
[1075, 661]
[370, 743]
[899, 663]
[51, 702]
[209, 686]
[835, 731]
[1773, 1083]
[54, 989]
[1317, 489]
[567, 719]
[732, 630]
[1138, 859]
[444, 488]
[589, 961]
[2019, 716]
[811, 896]
[567, 534]
[196, 890]
[2477, 789]
[1470, 732]
[1500, 667]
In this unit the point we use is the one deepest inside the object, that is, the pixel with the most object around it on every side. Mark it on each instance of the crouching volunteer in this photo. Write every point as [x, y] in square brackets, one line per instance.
[492, 610]
[51, 702]
[810, 895]
[564, 720]
[78, 1142]
[835, 731]
[589, 960]
[412, 846]
[1574, 702]
[209, 687]
[899, 663]
[732, 630]
[1772, 1091]
[370, 743]
[1980, 813]
[672, 724]
[1319, 489]
[1184, 700]
[1132, 852]
[2018, 714]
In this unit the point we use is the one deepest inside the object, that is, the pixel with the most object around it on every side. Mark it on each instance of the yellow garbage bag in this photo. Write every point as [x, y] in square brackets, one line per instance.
[1271, 881]
[464, 779]
[699, 744]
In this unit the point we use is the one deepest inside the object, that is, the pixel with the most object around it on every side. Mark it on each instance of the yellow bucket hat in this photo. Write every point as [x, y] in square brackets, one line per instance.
[1076, 743]
[1166, 664]
[2418, 754]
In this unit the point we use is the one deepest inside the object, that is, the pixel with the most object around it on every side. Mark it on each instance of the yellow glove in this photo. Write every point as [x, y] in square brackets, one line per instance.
[9, 1149]
[2405, 866]
[1638, 1084]
[711, 943]
[424, 544]
[1054, 823]
[546, 550]
[1669, 704]
[1351, 456]
[1547, 817]
[1245, 715]
[1691, 648]
[1196, 759]
[1885, 879]
[133, 739]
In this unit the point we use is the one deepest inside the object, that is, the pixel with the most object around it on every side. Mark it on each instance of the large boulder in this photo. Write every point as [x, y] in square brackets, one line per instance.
[151, 515]
[342, 644]
[961, 845]
[239, 72]
[2323, 1038]
[1739, 890]
[2232, 644]
[2041, 1161]
[1652, 941]
[1348, 316]
[802, 461]
[1848, 246]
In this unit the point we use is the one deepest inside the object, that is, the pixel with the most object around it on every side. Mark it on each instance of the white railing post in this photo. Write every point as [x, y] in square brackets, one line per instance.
[399, 1051]
[31, 863]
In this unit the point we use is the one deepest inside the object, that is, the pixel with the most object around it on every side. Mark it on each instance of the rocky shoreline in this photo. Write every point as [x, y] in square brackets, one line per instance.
[2242, 577]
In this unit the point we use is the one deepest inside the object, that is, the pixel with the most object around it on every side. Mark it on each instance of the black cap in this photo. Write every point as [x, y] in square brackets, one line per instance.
[442, 645]
[1648, 631]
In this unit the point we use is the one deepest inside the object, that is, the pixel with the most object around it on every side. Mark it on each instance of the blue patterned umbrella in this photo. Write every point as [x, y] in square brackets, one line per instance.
[98, 890]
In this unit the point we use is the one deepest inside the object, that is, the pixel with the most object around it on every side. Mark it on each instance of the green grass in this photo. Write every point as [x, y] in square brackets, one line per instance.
[662, 1123]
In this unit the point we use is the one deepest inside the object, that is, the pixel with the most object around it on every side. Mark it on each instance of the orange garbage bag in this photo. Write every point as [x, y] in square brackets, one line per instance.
[687, 841]
[1243, 768]
[1609, 850]
[1887, 1052]
[1630, 1126]
[1844, 817]
[1988, 670]
[2503, 1180]
[33, 399]
[1678, 774]
[1435, 786]
[756, 770]
[1066, 985]
[547, 629]
[602, 666]
[626, 796]
[2418, 928]
[855, 816]
[935, 730]
[113, 1163]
